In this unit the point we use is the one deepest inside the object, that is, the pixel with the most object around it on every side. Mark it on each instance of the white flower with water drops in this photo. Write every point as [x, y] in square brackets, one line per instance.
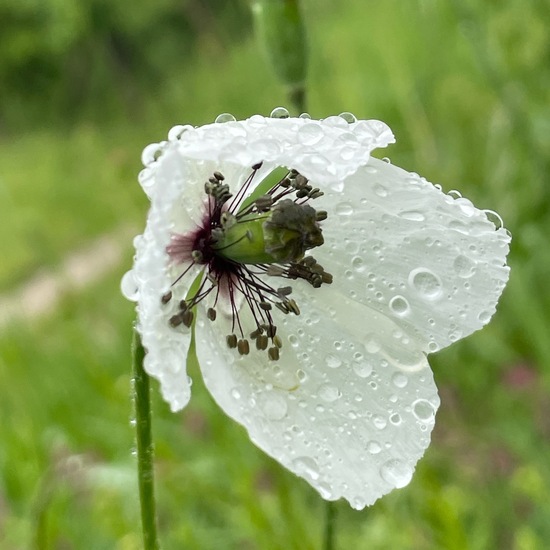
[316, 279]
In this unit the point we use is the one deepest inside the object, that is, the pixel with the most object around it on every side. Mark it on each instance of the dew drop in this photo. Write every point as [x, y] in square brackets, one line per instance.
[387, 160]
[463, 266]
[325, 490]
[310, 133]
[395, 419]
[225, 117]
[484, 316]
[306, 466]
[235, 393]
[380, 190]
[492, 216]
[279, 112]
[396, 472]
[372, 345]
[176, 132]
[332, 361]
[379, 421]
[328, 393]
[363, 370]
[348, 117]
[151, 153]
[358, 264]
[274, 406]
[399, 305]
[412, 215]
[426, 283]
[128, 286]
[373, 447]
[307, 116]
[399, 380]
[344, 209]
[423, 410]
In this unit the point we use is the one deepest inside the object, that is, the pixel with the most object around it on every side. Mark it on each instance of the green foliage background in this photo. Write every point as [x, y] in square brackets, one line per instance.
[84, 85]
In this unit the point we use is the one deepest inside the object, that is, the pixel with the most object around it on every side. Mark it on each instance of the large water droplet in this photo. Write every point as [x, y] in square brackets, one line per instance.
[332, 361]
[348, 117]
[328, 393]
[372, 345]
[274, 406]
[151, 153]
[484, 316]
[129, 287]
[379, 421]
[373, 447]
[306, 466]
[399, 380]
[362, 369]
[310, 134]
[344, 209]
[225, 117]
[423, 410]
[492, 216]
[399, 305]
[279, 112]
[412, 215]
[307, 116]
[426, 283]
[463, 266]
[176, 132]
[396, 472]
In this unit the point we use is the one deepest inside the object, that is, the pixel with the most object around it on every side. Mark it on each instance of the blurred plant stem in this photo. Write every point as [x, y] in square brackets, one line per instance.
[330, 519]
[145, 450]
[281, 31]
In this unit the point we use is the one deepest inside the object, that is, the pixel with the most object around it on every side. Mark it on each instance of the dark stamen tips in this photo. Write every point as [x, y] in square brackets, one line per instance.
[243, 347]
[211, 313]
[273, 354]
[231, 340]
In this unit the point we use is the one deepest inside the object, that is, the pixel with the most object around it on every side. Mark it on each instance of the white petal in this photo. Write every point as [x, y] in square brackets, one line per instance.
[433, 263]
[349, 406]
[173, 178]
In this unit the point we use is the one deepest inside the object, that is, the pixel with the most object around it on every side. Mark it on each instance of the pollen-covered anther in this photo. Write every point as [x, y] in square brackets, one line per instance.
[166, 297]
[211, 314]
[243, 347]
[273, 353]
[231, 340]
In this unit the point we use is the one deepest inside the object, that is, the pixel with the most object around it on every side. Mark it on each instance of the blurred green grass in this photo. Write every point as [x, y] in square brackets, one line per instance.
[464, 86]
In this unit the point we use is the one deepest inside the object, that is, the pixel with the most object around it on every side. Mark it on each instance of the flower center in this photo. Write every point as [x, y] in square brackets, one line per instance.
[241, 240]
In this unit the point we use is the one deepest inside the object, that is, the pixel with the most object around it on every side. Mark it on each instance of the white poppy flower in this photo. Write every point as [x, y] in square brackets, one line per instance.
[315, 302]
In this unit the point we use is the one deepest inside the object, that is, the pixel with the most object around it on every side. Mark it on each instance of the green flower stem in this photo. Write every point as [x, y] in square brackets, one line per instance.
[330, 516]
[145, 450]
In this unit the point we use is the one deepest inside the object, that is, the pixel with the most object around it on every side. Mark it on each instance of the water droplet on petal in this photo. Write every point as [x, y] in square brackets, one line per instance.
[235, 393]
[324, 490]
[348, 117]
[412, 215]
[306, 116]
[310, 133]
[328, 393]
[332, 361]
[396, 472]
[399, 305]
[373, 447]
[363, 369]
[387, 160]
[399, 380]
[484, 316]
[372, 345]
[344, 209]
[279, 112]
[495, 218]
[426, 283]
[274, 406]
[306, 466]
[379, 421]
[225, 117]
[463, 266]
[129, 287]
[151, 153]
[176, 132]
[423, 410]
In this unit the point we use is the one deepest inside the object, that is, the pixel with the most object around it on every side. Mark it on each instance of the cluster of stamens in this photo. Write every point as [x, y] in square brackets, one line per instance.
[232, 225]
